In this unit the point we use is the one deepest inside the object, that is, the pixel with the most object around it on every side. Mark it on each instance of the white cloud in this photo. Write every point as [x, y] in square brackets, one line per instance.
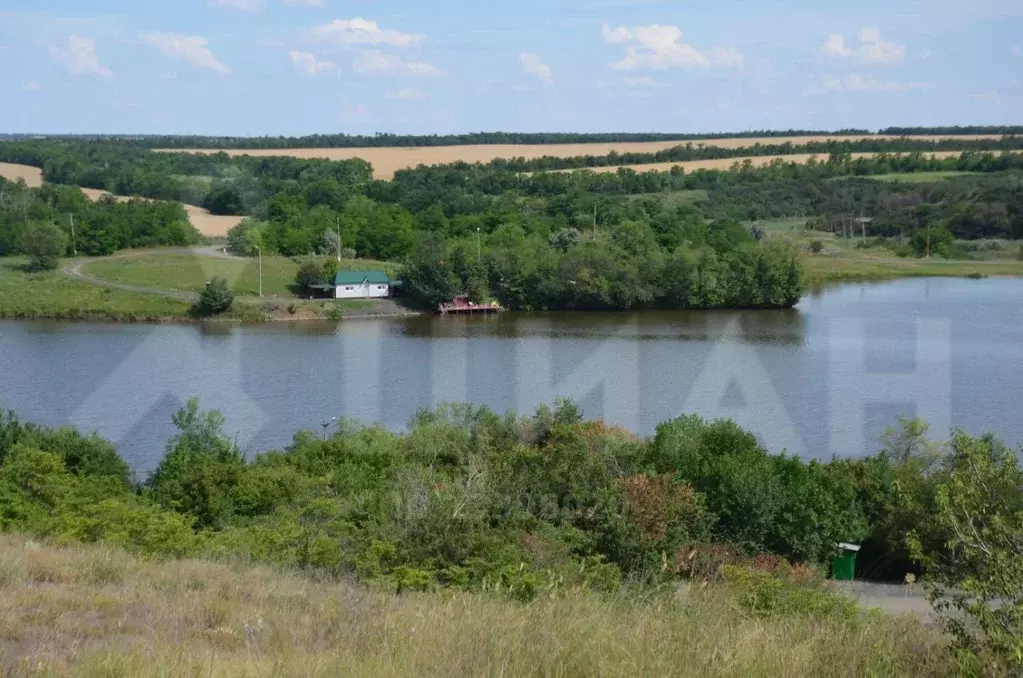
[661, 47]
[359, 31]
[30, 87]
[535, 66]
[854, 82]
[304, 61]
[241, 5]
[1016, 51]
[407, 93]
[375, 61]
[80, 57]
[871, 50]
[191, 48]
[307, 3]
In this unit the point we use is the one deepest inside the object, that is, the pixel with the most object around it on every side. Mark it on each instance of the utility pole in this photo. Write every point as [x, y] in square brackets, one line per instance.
[326, 424]
[74, 246]
[479, 246]
[338, 239]
[259, 250]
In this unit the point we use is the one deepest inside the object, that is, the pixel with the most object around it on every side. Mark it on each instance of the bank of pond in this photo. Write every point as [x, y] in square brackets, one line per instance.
[472, 499]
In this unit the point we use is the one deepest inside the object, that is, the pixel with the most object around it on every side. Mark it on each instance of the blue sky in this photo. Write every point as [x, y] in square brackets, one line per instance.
[250, 67]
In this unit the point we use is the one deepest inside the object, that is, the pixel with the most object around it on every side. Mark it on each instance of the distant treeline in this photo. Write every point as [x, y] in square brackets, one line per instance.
[956, 129]
[690, 152]
[477, 138]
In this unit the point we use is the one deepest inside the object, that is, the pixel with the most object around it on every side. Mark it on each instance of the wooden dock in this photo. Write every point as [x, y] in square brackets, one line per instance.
[463, 306]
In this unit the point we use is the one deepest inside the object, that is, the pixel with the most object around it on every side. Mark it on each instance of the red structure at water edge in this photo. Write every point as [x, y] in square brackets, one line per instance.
[463, 305]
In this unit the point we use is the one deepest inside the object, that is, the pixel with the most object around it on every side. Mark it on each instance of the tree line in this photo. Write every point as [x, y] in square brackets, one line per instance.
[411, 140]
[690, 152]
[54, 221]
[469, 499]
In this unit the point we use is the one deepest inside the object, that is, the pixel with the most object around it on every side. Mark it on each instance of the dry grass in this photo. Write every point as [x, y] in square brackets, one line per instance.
[212, 225]
[93, 611]
[387, 161]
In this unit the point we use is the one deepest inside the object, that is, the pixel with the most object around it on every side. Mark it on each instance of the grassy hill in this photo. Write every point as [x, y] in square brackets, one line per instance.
[96, 611]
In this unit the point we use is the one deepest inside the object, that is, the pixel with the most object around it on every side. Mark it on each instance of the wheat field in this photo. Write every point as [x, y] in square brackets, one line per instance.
[387, 161]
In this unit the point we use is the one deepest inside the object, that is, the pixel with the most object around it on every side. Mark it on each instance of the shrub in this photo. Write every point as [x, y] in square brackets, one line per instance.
[215, 298]
[309, 274]
[764, 594]
[816, 246]
[44, 243]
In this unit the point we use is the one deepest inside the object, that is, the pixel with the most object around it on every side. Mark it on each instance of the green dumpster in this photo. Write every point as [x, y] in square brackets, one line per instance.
[843, 566]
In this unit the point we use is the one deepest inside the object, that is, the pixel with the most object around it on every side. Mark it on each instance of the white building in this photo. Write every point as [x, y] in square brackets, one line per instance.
[361, 285]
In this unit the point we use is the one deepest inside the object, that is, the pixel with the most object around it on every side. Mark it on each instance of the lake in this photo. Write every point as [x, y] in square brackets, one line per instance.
[823, 379]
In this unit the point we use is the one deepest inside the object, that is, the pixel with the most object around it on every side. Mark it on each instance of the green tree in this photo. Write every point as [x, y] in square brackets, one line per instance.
[215, 298]
[201, 468]
[309, 274]
[978, 580]
[44, 243]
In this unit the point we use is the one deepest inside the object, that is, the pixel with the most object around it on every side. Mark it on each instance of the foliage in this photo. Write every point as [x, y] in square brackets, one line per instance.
[215, 298]
[936, 242]
[977, 582]
[309, 274]
[44, 243]
[48, 215]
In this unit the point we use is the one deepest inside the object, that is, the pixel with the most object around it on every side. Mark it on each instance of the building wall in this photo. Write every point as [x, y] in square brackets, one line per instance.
[364, 291]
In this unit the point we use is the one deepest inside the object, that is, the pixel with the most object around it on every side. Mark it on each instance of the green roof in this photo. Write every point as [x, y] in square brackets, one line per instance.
[360, 277]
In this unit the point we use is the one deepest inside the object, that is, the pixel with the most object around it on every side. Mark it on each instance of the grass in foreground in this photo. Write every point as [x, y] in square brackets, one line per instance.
[189, 272]
[94, 611]
[53, 295]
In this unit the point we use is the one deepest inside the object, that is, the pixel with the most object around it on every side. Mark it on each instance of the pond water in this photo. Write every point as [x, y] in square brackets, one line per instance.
[823, 379]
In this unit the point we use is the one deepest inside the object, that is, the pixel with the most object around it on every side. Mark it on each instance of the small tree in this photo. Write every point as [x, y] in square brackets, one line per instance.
[215, 298]
[44, 243]
[309, 274]
[816, 246]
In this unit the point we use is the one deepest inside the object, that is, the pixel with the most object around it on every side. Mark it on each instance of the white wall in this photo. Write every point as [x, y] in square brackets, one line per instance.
[364, 291]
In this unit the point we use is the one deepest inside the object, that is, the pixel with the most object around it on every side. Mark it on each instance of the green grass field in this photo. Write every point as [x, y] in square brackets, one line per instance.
[189, 272]
[54, 295]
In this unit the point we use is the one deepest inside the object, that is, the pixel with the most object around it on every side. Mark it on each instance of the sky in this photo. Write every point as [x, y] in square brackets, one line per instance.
[295, 67]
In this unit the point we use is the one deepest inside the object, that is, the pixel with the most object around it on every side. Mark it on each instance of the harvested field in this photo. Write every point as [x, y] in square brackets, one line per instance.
[726, 163]
[33, 176]
[208, 224]
[387, 161]
[213, 225]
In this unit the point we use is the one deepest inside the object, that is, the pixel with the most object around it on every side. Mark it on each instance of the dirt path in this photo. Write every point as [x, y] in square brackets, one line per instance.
[74, 270]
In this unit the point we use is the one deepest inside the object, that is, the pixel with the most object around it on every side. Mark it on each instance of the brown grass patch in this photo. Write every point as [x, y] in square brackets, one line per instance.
[100, 612]
[387, 161]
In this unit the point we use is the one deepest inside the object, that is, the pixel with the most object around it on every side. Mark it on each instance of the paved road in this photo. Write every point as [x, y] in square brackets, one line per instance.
[74, 270]
[892, 598]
